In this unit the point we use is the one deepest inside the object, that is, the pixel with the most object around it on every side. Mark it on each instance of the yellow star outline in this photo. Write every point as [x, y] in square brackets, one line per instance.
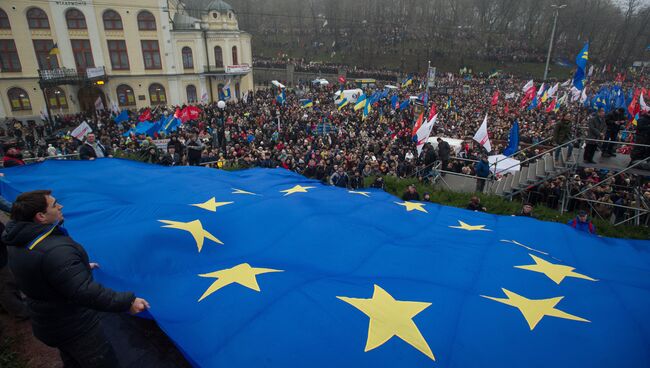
[390, 317]
[365, 194]
[211, 204]
[296, 189]
[464, 226]
[524, 246]
[555, 272]
[534, 310]
[193, 227]
[411, 206]
[242, 274]
[240, 191]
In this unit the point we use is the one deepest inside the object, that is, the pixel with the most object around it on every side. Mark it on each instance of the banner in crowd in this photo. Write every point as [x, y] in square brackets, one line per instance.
[161, 144]
[81, 131]
[400, 283]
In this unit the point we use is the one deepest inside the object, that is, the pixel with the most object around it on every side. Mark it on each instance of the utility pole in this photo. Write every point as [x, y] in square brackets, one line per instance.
[550, 47]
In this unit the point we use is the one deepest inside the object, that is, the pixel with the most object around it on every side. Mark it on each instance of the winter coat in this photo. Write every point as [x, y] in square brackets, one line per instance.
[53, 271]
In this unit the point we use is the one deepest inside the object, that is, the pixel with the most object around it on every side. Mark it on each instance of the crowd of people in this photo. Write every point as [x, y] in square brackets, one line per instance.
[340, 147]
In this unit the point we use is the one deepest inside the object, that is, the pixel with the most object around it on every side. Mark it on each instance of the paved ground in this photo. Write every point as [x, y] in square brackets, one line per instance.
[138, 342]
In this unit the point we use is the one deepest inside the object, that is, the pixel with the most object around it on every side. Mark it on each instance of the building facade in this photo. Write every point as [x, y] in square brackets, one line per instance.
[67, 56]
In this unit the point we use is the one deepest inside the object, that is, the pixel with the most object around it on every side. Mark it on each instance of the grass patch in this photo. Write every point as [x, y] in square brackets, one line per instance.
[8, 356]
[500, 206]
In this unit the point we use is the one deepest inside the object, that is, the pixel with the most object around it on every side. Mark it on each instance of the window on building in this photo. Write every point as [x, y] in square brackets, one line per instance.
[151, 54]
[112, 20]
[19, 99]
[119, 56]
[56, 98]
[146, 21]
[235, 59]
[125, 95]
[4, 20]
[188, 61]
[157, 94]
[218, 57]
[37, 19]
[83, 54]
[42, 49]
[191, 93]
[75, 19]
[222, 95]
[9, 61]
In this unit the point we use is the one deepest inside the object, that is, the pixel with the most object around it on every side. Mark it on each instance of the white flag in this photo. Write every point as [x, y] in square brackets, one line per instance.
[424, 132]
[591, 70]
[528, 86]
[575, 94]
[567, 83]
[204, 96]
[481, 135]
[81, 131]
[644, 107]
[552, 90]
[510, 96]
[583, 97]
[540, 91]
[99, 105]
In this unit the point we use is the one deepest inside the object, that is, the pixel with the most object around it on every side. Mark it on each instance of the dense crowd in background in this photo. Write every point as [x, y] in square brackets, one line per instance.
[340, 147]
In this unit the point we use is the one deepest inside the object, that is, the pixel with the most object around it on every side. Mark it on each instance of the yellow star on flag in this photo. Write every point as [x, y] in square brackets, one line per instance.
[390, 317]
[240, 191]
[296, 189]
[242, 274]
[555, 272]
[193, 227]
[467, 227]
[413, 206]
[535, 309]
[365, 194]
[211, 204]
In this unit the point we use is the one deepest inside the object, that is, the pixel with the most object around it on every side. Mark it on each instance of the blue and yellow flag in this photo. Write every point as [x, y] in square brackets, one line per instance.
[361, 102]
[265, 268]
[583, 57]
[306, 103]
[342, 103]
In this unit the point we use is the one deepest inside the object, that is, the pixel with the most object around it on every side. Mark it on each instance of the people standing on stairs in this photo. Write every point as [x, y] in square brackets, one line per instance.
[615, 120]
[595, 130]
[562, 135]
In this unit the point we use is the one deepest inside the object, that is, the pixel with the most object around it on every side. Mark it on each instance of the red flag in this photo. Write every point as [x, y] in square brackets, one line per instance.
[418, 124]
[634, 106]
[432, 112]
[551, 107]
[342, 79]
[177, 113]
[189, 113]
[146, 115]
[495, 98]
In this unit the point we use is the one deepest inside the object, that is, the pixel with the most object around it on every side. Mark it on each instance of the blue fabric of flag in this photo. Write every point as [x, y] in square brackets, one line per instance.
[143, 127]
[123, 116]
[394, 102]
[513, 140]
[318, 276]
[583, 57]
[405, 104]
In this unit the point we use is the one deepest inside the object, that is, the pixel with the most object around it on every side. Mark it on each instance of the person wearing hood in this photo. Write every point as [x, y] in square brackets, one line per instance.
[55, 274]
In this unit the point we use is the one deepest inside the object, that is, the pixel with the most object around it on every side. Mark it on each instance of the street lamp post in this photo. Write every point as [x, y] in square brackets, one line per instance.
[550, 46]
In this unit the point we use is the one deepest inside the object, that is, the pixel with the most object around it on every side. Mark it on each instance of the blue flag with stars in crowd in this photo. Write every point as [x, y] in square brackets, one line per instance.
[265, 268]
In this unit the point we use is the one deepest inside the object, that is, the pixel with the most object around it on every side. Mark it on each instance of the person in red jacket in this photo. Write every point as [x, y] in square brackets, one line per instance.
[12, 158]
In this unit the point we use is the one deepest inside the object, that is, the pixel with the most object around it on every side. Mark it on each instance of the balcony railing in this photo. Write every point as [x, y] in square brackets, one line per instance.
[58, 76]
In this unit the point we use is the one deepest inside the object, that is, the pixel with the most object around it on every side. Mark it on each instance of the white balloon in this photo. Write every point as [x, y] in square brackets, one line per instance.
[221, 104]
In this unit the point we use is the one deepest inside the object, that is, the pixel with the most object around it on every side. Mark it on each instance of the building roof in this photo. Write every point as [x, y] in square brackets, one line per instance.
[184, 21]
[219, 5]
[196, 8]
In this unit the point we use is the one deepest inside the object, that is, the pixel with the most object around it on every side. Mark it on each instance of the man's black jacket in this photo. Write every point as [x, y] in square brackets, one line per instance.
[55, 276]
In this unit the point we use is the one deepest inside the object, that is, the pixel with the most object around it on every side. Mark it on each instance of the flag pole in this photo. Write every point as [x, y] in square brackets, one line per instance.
[550, 47]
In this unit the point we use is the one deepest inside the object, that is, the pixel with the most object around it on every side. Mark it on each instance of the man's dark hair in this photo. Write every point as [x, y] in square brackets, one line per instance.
[28, 204]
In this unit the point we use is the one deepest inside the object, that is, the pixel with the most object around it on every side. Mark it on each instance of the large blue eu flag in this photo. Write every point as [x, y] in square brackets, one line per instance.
[265, 268]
